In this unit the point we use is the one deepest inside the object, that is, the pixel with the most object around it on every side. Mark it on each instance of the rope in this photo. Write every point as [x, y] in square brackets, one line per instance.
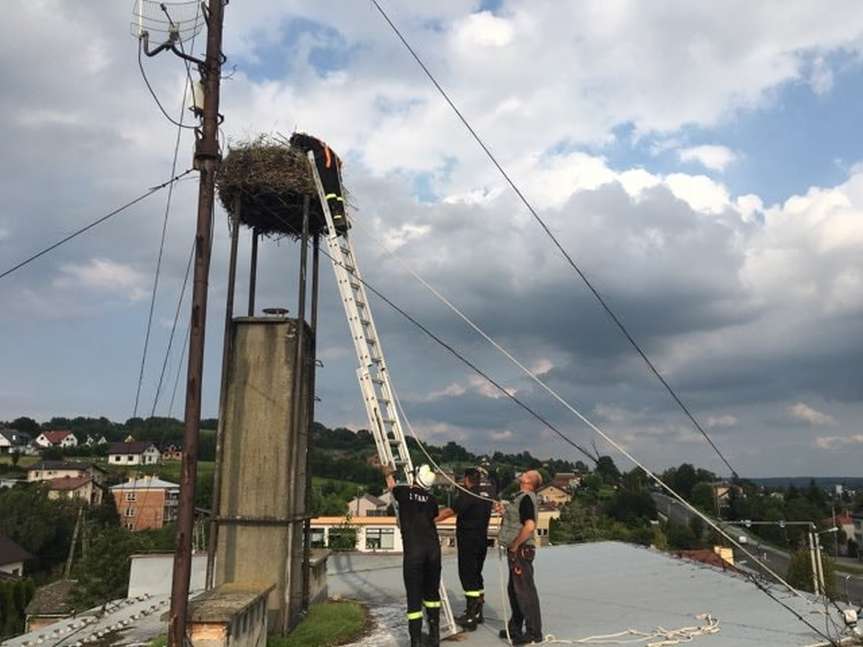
[659, 637]
[553, 238]
[625, 453]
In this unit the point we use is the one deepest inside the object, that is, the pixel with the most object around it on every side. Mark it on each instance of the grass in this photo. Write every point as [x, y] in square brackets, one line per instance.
[23, 461]
[159, 641]
[328, 624]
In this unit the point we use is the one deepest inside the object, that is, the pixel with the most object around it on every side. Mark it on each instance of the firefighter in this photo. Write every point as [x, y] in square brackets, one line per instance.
[473, 514]
[328, 164]
[421, 566]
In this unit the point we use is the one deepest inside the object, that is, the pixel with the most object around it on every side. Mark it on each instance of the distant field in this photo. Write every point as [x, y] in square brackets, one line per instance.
[24, 461]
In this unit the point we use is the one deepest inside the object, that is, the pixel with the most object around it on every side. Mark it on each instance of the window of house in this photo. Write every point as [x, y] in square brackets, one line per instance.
[129, 458]
[131, 496]
[318, 538]
[130, 511]
[380, 538]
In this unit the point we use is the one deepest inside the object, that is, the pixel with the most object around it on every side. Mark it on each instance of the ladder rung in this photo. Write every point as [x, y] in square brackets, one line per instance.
[356, 285]
[365, 322]
[371, 342]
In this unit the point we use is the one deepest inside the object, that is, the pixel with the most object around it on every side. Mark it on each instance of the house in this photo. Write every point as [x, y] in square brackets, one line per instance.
[12, 557]
[551, 494]
[566, 481]
[50, 470]
[95, 440]
[146, 503]
[62, 439]
[13, 441]
[50, 603]
[172, 453]
[83, 488]
[133, 453]
[381, 534]
[544, 516]
[857, 518]
[367, 505]
[722, 493]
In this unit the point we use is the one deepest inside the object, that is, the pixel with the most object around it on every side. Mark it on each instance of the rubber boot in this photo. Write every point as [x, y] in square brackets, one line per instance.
[478, 613]
[433, 617]
[461, 619]
[467, 620]
[415, 629]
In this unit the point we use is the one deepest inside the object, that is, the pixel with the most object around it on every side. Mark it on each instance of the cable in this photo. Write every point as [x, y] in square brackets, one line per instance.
[173, 329]
[179, 368]
[609, 440]
[160, 255]
[153, 92]
[454, 352]
[107, 216]
[553, 238]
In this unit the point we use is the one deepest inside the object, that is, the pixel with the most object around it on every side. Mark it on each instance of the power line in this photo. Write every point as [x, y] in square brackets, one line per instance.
[553, 238]
[173, 330]
[107, 216]
[161, 253]
[608, 439]
[454, 352]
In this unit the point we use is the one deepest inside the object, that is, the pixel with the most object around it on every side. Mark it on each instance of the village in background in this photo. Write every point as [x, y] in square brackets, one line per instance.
[81, 498]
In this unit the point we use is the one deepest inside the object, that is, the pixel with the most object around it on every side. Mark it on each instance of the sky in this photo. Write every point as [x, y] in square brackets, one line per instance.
[701, 162]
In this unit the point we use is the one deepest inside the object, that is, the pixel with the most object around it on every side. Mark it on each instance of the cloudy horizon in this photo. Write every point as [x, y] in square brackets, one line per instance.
[700, 163]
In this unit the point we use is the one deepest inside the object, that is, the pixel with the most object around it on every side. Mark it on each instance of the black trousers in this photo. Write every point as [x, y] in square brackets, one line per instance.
[472, 550]
[523, 598]
[421, 568]
[328, 168]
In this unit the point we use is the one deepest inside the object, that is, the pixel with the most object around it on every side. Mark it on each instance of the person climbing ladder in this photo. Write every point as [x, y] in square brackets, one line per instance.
[328, 164]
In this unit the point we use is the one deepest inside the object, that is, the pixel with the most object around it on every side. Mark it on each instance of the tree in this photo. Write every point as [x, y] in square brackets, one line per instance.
[631, 507]
[680, 537]
[800, 572]
[27, 425]
[41, 526]
[696, 527]
[606, 468]
[702, 497]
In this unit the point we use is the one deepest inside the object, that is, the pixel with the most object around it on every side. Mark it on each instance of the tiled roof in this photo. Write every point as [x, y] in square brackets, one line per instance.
[63, 465]
[15, 437]
[69, 483]
[136, 447]
[55, 437]
[11, 553]
[52, 599]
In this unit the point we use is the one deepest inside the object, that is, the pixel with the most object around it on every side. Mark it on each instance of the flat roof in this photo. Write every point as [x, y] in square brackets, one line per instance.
[596, 589]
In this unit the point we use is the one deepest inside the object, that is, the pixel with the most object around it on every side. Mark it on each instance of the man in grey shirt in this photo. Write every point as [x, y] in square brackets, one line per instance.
[516, 533]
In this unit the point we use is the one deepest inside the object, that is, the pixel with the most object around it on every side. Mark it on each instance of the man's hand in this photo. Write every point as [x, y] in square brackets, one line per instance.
[498, 507]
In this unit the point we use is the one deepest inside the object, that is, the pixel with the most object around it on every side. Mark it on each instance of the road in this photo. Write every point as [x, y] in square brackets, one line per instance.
[850, 585]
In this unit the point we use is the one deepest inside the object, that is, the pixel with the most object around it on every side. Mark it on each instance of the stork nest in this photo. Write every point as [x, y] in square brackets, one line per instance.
[263, 182]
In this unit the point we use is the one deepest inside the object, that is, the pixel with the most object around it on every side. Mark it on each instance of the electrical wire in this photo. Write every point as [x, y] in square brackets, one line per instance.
[159, 257]
[99, 221]
[613, 443]
[173, 329]
[588, 283]
[168, 203]
[153, 92]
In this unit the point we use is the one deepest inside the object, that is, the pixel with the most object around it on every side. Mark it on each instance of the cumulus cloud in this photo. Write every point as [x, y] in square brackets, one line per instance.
[105, 275]
[813, 417]
[711, 156]
[741, 305]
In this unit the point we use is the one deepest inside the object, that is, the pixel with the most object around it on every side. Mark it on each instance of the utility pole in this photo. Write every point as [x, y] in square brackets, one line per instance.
[812, 562]
[207, 160]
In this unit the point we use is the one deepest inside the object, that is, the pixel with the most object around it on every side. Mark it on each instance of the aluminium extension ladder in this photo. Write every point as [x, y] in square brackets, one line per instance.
[373, 376]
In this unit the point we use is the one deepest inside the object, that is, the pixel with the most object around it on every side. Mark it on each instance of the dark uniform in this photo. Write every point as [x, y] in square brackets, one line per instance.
[472, 536]
[328, 164]
[422, 564]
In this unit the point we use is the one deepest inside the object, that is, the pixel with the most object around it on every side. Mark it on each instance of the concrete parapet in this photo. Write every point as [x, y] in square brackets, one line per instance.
[230, 615]
[318, 575]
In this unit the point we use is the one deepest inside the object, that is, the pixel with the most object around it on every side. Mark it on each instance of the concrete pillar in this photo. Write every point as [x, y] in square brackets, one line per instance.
[262, 479]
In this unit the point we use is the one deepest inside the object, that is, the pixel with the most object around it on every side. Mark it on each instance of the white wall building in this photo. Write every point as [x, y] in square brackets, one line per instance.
[133, 453]
[62, 439]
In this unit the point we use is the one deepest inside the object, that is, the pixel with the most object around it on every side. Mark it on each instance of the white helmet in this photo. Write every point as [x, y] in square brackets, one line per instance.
[424, 476]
